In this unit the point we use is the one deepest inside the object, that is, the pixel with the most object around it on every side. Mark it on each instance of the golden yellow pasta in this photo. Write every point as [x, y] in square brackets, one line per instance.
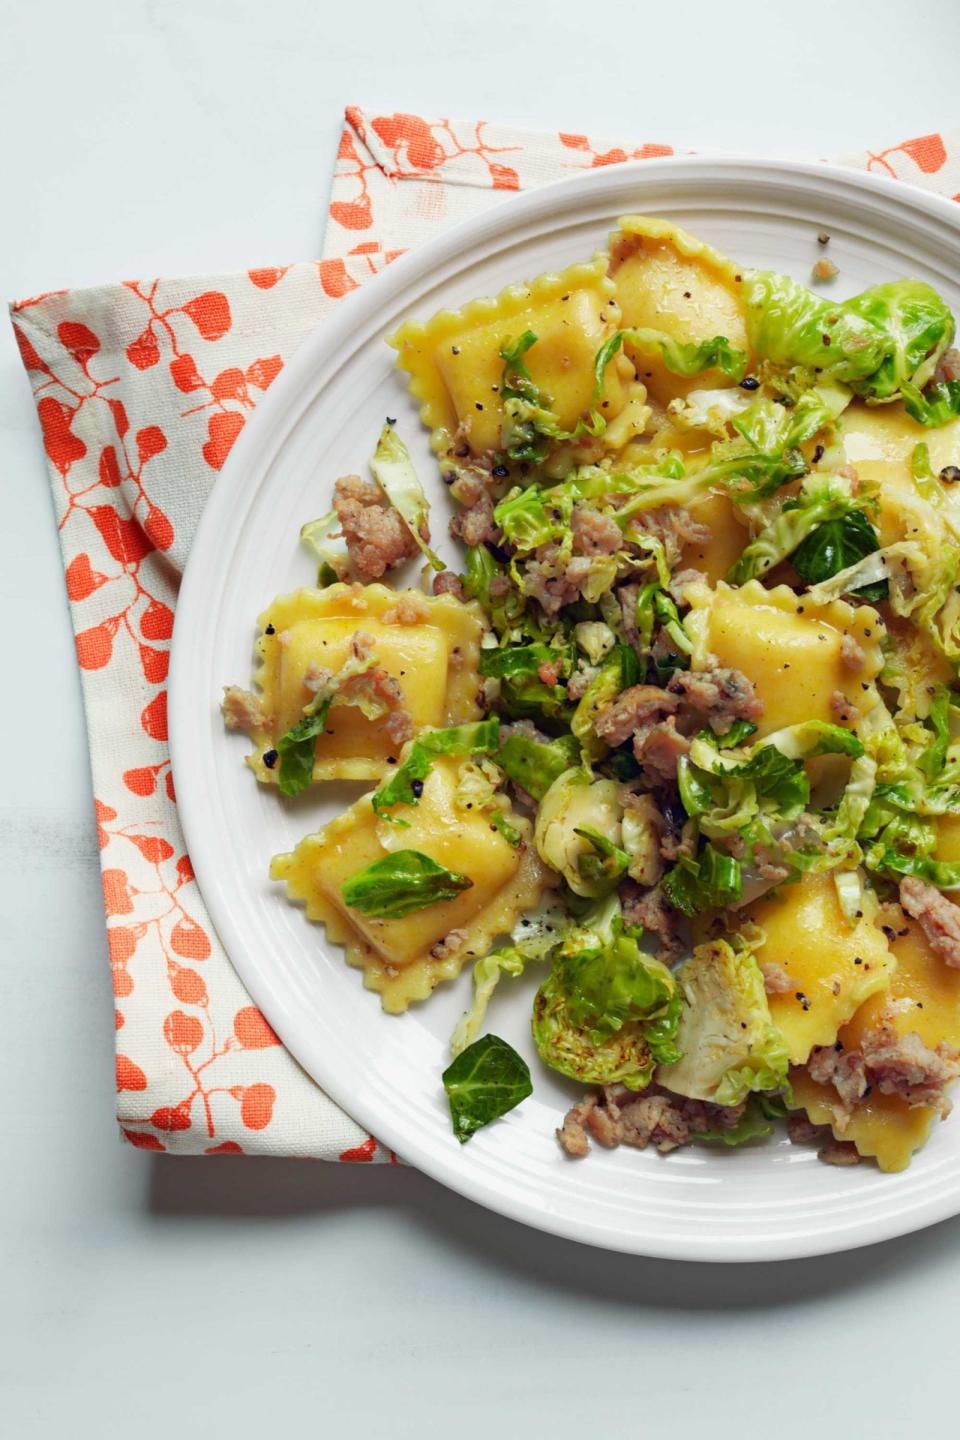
[456, 368]
[728, 535]
[667, 280]
[405, 959]
[429, 645]
[832, 965]
[792, 649]
[887, 434]
[923, 999]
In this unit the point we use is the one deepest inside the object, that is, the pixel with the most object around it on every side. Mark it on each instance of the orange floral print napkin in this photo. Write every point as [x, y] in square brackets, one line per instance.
[141, 389]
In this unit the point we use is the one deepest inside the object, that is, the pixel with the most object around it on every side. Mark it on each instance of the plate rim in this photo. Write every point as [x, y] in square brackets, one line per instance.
[261, 440]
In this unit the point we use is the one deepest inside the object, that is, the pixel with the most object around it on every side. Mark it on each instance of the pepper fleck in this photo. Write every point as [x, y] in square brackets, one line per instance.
[455, 349]
[749, 382]
[818, 455]
[826, 339]
[270, 630]
[477, 405]
[270, 758]
[417, 787]
[501, 472]
[823, 238]
[950, 474]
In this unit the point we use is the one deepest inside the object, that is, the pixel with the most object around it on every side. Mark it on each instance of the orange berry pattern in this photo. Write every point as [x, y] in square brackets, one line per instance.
[141, 390]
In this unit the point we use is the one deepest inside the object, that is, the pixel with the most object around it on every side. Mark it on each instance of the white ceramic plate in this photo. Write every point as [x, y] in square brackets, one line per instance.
[320, 420]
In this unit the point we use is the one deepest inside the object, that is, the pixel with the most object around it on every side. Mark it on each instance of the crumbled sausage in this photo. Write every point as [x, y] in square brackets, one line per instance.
[825, 270]
[410, 609]
[448, 583]
[801, 1130]
[633, 708]
[658, 748]
[242, 710]
[377, 538]
[904, 1065]
[475, 525]
[650, 909]
[776, 981]
[771, 872]
[362, 644]
[682, 580]
[721, 694]
[572, 1133]
[376, 687]
[554, 580]
[839, 1152]
[316, 678]
[843, 1069]
[656, 1120]
[852, 654]
[627, 596]
[938, 916]
[673, 526]
[450, 944]
[399, 726]
[594, 533]
[656, 1117]
[844, 712]
[579, 681]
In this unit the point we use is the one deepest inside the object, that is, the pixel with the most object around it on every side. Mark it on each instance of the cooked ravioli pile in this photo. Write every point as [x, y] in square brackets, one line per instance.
[684, 734]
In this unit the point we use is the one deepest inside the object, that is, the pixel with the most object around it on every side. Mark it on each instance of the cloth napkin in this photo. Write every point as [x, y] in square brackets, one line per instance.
[141, 389]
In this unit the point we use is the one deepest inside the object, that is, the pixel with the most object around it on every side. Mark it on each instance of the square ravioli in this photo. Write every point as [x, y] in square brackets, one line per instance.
[923, 999]
[667, 280]
[799, 655]
[428, 645]
[832, 966]
[455, 366]
[405, 959]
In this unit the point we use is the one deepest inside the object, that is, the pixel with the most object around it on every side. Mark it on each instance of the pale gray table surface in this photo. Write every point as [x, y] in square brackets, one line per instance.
[146, 1296]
